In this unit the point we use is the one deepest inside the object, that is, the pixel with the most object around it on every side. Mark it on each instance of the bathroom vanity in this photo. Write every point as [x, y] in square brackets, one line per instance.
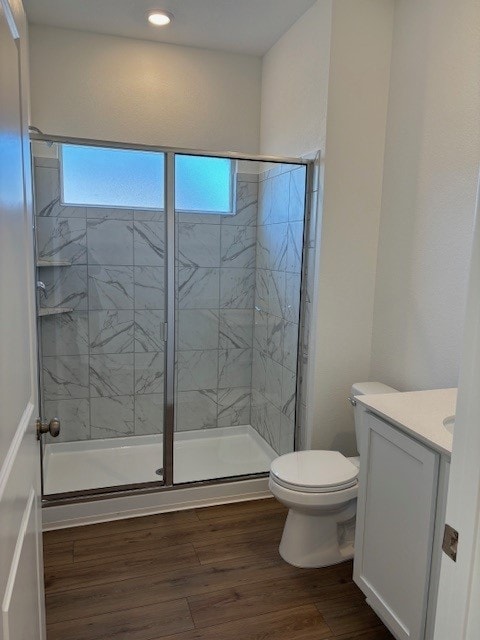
[405, 461]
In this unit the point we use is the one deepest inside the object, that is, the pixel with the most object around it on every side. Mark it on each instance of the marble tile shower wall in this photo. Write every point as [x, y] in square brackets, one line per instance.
[103, 363]
[277, 300]
[216, 291]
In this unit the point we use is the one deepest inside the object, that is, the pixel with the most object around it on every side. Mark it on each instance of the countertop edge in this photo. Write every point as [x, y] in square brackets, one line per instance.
[411, 432]
[415, 433]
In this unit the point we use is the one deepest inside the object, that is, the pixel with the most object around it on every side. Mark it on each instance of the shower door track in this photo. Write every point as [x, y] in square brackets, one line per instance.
[167, 483]
[144, 488]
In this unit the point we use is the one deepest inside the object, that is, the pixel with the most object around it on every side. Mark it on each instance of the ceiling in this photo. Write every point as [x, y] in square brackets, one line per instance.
[242, 26]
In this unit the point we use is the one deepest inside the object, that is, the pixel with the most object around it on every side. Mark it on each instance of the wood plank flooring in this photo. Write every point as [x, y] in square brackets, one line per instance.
[204, 574]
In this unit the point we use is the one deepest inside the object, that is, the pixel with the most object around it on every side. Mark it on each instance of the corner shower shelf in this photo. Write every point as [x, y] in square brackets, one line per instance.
[53, 263]
[52, 311]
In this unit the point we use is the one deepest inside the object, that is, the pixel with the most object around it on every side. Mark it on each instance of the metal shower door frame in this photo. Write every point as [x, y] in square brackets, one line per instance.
[171, 297]
[170, 334]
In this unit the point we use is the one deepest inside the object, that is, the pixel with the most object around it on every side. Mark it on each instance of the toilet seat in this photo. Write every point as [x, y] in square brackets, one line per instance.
[314, 471]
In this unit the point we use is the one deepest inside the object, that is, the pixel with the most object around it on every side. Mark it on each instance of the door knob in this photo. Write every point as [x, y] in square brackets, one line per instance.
[52, 427]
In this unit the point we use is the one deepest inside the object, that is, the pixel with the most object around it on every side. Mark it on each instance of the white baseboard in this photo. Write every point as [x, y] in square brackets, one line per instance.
[118, 508]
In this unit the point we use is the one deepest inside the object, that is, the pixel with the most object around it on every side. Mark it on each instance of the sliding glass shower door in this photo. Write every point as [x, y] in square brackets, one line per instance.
[169, 288]
[238, 259]
[100, 231]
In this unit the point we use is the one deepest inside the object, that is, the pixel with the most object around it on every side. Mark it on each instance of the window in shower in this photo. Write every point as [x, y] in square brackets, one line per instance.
[130, 179]
[117, 178]
[204, 184]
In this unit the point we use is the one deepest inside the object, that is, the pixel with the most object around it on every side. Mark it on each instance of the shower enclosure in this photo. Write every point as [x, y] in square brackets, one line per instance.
[169, 306]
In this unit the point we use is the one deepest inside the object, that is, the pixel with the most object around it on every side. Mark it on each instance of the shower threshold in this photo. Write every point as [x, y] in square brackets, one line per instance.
[204, 454]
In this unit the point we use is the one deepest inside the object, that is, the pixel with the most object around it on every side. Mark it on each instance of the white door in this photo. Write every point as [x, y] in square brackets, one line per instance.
[459, 595]
[21, 568]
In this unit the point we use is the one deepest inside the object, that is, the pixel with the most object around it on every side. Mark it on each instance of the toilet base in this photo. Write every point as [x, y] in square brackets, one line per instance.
[318, 539]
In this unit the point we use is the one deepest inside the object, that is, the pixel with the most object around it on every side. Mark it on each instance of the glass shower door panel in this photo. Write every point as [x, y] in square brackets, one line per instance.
[100, 225]
[238, 271]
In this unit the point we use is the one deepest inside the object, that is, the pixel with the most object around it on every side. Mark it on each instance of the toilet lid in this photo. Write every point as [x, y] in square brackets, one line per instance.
[314, 471]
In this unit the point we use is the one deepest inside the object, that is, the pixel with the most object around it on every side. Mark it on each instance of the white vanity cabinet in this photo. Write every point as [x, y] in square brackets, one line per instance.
[399, 526]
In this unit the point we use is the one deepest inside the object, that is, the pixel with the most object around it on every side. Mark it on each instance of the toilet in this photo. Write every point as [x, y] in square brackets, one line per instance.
[320, 490]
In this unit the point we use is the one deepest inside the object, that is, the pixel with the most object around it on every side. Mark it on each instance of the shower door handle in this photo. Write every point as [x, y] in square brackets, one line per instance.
[52, 427]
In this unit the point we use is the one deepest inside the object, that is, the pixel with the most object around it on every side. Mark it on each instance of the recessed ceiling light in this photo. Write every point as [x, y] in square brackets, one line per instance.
[160, 18]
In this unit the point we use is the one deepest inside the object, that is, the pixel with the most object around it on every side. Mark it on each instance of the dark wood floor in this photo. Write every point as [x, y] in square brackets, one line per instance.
[203, 574]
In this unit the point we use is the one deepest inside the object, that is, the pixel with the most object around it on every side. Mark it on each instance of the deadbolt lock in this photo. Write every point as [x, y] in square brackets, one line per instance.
[52, 427]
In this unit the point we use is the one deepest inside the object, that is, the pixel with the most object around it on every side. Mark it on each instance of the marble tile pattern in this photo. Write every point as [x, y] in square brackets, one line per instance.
[238, 296]
[103, 363]
[216, 260]
[279, 244]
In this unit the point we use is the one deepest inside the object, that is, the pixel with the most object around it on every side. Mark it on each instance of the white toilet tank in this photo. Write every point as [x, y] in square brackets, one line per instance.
[362, 389]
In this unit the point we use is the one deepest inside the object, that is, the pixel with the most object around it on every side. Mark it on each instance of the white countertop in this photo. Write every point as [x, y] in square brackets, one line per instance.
[418, 413]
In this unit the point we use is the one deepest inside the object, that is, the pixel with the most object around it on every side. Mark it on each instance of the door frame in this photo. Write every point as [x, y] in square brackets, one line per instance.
[457, 614]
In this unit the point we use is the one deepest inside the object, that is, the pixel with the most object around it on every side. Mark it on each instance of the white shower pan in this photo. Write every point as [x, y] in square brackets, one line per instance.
[199, 455]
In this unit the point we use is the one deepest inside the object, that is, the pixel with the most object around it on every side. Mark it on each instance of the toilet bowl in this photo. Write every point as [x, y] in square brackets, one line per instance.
[320, 490]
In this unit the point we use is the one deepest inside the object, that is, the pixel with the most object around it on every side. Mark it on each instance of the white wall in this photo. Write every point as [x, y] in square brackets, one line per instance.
[356, 118]
[106, 87]
[431, 166]
[328, 77]
[294, 86]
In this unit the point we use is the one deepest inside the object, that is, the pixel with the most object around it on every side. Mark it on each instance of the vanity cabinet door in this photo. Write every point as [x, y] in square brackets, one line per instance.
[395, 523]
